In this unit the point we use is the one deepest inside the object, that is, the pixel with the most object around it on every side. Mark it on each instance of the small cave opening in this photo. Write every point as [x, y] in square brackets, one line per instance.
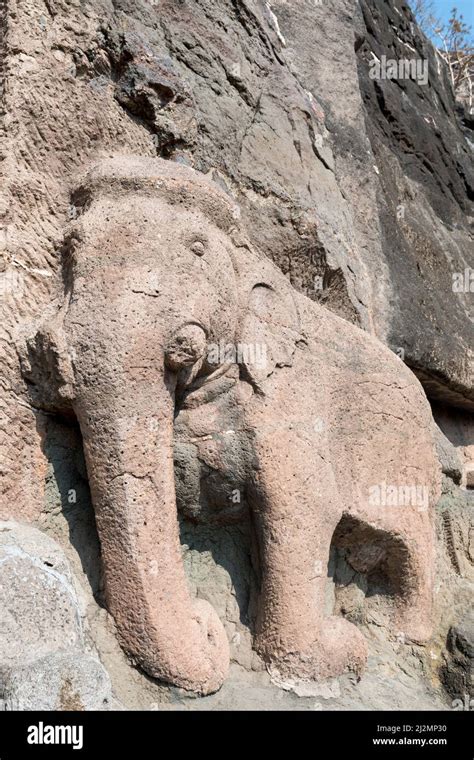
[456, 445]
[368, 572]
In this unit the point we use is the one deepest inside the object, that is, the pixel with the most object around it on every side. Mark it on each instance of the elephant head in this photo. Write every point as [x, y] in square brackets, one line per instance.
[151, 278]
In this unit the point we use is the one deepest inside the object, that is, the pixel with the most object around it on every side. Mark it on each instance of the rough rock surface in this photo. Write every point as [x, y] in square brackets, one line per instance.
[43, 665]
[40, 610]
[458, 668]
[59, 682]
[399, 141]
[358, 189]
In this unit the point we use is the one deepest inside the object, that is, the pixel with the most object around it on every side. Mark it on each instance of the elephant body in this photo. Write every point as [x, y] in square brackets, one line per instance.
[202, 381]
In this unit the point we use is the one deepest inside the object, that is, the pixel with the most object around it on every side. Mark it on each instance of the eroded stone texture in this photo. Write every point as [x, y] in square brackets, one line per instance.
[458, 667]
[426, 204]
[40, 609]
[43, 665]
[394, 141]
[65, 682]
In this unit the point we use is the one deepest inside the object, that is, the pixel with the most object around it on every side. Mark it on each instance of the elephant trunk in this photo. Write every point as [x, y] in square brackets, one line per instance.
[128, 444]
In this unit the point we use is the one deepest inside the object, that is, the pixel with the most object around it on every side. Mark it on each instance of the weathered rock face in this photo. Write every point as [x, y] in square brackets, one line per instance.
[425, 208]
[358, 189]
[40, 612]
[59, 682]
[458, 669]
[43, 664]
[405, 166]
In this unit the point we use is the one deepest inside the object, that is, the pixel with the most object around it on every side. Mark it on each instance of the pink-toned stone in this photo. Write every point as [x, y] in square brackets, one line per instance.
[320, 428]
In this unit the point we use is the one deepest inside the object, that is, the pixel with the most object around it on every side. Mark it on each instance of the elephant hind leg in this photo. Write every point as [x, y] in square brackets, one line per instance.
[413, 611]
[397, 563]
[295, 514]
[292, 631]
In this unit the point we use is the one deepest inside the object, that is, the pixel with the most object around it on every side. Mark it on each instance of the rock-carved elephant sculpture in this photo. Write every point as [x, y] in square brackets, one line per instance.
[199, 377]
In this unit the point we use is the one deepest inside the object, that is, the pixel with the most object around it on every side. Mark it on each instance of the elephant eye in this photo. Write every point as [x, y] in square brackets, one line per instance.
[198, 248]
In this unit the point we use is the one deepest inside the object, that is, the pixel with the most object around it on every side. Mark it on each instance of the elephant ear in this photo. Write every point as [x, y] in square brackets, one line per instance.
[269, 330]
[46, 365]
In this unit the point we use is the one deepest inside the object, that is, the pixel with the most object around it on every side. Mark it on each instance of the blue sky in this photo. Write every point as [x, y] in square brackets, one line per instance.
[444, 7]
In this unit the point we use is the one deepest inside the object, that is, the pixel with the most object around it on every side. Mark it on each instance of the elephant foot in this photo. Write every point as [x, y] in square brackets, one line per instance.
[339, 648]
[343, 648]
[196, 654]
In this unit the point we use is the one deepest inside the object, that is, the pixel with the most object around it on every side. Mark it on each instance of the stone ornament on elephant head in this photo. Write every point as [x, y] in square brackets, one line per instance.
[195, 371]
